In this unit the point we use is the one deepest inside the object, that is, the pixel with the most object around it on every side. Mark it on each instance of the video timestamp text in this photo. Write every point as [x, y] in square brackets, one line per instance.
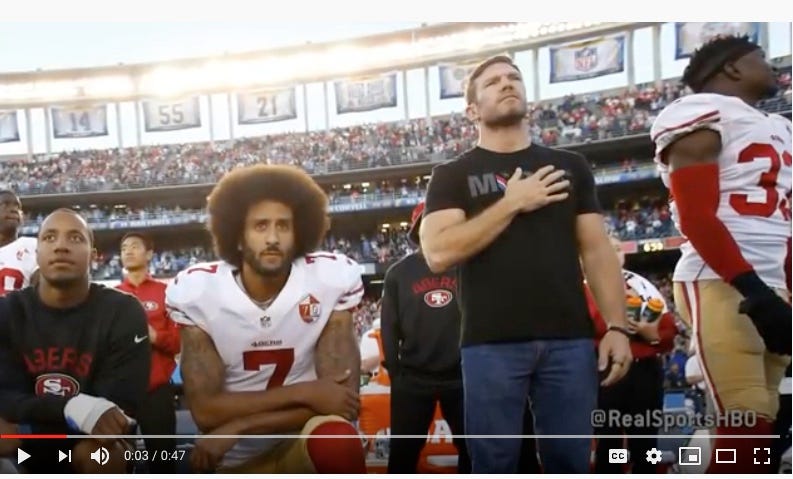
[163, 456]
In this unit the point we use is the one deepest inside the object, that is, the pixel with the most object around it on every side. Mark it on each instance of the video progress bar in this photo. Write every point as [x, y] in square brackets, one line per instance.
[400, 436]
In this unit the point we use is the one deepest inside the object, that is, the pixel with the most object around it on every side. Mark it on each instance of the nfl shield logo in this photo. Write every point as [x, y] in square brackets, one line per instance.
[309, 309]
[586, 59]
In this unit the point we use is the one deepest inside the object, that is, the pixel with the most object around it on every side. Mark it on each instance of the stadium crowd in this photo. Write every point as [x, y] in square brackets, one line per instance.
[570, 120]
[631, 220]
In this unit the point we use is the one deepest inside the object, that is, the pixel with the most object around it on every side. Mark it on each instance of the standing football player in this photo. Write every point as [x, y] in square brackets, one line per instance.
[268, 342]
[728, 167]
[18, 269]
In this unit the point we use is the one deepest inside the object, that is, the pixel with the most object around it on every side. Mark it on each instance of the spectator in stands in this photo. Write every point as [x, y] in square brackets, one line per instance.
[675, 379]
[157, 415]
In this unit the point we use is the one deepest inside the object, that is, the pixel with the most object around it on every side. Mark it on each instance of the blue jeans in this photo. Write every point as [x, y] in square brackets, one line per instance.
[561, 379]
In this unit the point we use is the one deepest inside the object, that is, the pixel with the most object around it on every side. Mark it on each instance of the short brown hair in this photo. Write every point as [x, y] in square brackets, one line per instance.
[470, 85]
[148, 243]
[238, 190]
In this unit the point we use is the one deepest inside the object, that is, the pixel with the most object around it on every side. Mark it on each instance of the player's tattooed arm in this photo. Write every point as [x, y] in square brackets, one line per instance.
[337, 349]
[204, 374]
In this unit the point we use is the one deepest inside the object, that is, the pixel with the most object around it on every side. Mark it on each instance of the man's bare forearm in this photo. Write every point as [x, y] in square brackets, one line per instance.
[457, 243]
[223, 407]
[604, 275]
[337, 350]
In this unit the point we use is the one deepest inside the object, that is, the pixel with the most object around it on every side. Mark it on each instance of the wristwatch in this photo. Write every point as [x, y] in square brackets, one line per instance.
[621, 330]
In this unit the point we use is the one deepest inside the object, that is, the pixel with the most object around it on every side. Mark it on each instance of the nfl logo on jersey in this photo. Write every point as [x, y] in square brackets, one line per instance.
[309, 309]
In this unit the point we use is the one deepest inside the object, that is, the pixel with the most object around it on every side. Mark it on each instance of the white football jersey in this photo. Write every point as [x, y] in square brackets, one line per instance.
[265, 348]
[754, 179]
[17, 264]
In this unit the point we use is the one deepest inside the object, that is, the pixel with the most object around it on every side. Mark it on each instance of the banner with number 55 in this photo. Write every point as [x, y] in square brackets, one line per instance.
[171, 115]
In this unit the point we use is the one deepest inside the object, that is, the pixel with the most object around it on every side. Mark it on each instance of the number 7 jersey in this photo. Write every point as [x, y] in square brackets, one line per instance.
[754, 179]
[266, 348]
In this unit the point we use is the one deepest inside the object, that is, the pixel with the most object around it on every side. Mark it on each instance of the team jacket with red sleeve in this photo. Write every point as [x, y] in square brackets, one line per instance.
[151, 294]
[666, 327]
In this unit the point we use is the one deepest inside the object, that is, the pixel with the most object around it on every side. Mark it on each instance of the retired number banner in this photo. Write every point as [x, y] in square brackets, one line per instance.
[366, 94]
[79, 122]
[172, 114]
[690, 35]
[266, 106]
[9, 128]
[587, 59]
[452, 78]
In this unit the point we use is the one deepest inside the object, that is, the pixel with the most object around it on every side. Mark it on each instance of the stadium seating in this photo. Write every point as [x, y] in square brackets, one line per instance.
[570, 120]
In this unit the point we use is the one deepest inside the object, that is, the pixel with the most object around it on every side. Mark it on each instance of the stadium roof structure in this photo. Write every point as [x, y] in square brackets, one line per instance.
[286, 66]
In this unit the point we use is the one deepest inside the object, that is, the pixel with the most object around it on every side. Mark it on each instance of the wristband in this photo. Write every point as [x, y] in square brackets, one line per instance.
[620, 329]
[82, 412]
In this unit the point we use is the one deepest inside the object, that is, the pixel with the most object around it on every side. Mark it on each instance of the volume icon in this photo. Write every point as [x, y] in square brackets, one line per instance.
[100, 456]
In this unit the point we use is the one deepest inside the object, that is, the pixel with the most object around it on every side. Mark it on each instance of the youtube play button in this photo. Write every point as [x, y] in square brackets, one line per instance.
[22, 456]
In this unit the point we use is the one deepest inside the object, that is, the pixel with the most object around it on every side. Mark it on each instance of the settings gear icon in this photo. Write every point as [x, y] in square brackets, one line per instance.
[653, 456]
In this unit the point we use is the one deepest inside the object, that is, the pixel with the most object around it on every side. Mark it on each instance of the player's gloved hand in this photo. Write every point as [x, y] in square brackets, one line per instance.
[83, 413]
[770, 313]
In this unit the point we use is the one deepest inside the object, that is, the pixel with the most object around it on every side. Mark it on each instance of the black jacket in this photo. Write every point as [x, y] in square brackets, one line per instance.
[420, 320]
[47, 355]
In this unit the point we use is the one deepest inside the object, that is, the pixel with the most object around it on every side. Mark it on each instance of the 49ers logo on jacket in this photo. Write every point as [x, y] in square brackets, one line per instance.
[55, 384]
[437, 298]
[149, 305]
[309, 309]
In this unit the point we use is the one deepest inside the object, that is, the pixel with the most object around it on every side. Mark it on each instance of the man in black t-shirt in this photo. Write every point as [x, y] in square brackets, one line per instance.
[516, 240]
[74, 356]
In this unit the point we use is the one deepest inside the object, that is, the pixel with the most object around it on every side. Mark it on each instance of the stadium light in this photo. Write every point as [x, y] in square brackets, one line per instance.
[216, 72]
[109, 87]
[58, 89]
[271, 70]
[167, 81]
